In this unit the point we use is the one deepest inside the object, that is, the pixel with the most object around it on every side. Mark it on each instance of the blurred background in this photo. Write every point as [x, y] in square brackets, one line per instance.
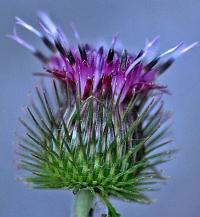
[98, 20]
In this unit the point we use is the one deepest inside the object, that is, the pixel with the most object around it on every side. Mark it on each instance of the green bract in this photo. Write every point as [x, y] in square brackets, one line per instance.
[94, 144]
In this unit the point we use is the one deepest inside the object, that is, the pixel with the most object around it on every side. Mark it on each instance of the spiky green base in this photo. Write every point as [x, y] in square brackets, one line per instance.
[94, 144]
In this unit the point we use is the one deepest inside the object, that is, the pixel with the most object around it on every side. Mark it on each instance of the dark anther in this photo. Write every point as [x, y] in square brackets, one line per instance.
[70, 57]
[139, 55]
[151, 64]
[87, 47]
[103, 215]
[64, 52]
[41, 56]
[100, 51]
[48, 43]
[82, 52]
[165, 65]
[110, 56]
[123, 60]
[60, 48]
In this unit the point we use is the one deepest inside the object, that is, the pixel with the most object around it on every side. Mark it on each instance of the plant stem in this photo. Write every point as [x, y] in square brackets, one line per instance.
[83, 203]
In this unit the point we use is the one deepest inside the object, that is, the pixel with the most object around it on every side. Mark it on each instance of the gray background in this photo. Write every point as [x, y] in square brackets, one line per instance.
[96, 20]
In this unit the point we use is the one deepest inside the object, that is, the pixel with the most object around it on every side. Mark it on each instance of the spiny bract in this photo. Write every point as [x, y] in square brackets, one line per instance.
[102, 130]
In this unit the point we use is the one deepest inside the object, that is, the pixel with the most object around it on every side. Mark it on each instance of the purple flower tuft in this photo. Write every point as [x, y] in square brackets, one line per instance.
[115, 73]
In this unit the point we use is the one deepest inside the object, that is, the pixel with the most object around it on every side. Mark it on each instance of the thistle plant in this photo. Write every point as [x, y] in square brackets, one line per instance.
[101, 131]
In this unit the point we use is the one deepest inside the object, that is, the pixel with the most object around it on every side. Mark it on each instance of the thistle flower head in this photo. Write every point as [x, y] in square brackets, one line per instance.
[96, 70]
[102, 130]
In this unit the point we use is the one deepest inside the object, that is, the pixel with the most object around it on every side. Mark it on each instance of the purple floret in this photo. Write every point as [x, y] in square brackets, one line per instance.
[96, 71]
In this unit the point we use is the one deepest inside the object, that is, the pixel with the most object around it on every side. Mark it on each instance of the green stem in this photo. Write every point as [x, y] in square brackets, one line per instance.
[83, 203]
